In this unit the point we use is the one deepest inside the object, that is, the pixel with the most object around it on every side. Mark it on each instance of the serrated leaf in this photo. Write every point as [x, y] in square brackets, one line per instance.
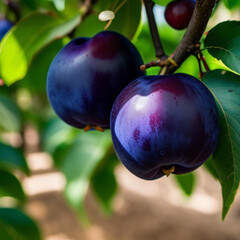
[10, 186]
[25, 39]
[103, 182]
[20, 225]
[186, 182]
[10, 115]
[12, 158]
[226, 88]
[79, 164]
[225, 47]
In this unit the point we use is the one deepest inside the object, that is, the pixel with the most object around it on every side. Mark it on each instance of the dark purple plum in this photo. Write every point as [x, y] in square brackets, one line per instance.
[86, 76]
[179, 12]
[5, 26]
[164, 124]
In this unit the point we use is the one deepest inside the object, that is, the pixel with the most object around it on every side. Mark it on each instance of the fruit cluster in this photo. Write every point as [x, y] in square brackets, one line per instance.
[5, 26]
[159, 124]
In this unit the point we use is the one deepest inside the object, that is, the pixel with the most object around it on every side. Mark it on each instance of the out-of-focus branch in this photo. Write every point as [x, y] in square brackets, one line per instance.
[153, 29]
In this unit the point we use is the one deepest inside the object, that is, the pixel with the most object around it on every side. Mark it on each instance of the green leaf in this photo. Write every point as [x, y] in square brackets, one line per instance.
[79, 164]
[29, 36]
[130, 12]
[10, 115]
[209, 165]
[12, 158]
[226, 89]
[225, 47]
[186, 182]
[10, 186]
[18, 225]
[162, 2]
[56, 133]
[230, 4]
[103, 182]
[35, 80]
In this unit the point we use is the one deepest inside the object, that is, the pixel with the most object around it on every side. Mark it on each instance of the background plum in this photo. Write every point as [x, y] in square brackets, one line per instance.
[5, 25]
[86, 76]
[164, 123]
[178, 13]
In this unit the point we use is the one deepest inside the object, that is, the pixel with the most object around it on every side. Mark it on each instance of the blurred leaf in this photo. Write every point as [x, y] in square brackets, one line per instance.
[186, 182]
[225, 47]
[20, 225]
[12, 158]
[10, 186]
[79, 164]
[25, 39]
[230, 4]
[103, 182]
[226, 89]
[130, 12]
[10, 115]
[83, 30]
[56, 133]
[36, 76]
[162, 2]
[7, 232]
[209, 165]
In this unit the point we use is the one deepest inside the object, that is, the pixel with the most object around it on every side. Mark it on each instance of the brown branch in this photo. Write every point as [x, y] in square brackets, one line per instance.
[194, 32]
[153, 29]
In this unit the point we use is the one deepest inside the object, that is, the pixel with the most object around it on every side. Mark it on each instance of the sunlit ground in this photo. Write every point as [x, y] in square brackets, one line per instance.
[143, 210]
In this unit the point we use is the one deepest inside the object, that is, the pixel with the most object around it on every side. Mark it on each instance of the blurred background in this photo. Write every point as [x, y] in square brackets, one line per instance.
[60, 183]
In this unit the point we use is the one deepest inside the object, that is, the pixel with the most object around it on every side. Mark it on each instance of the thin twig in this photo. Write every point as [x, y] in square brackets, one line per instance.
[153, 29]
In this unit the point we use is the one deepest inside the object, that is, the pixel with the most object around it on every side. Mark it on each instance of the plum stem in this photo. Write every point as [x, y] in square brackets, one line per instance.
[167, 171]
[89, 127]
[149, 4]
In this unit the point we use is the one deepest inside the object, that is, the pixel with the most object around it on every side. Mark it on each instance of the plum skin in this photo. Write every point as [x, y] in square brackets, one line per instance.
[5, 26]
[162, 121]
[87, 75]
[179, 12]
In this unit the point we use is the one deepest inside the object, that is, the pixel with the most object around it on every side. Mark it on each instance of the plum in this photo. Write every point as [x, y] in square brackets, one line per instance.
[163, 124]
[179, 12]
[5, 26]
[87, 75]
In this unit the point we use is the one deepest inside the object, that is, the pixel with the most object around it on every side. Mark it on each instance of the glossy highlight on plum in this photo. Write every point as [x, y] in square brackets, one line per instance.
[87, 75]
[164, 124]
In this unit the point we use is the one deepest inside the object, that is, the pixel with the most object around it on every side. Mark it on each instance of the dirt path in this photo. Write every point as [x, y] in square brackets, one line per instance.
[143, 210]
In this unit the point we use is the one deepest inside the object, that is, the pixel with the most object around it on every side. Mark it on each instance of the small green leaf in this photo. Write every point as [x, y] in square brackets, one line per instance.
[225, 47]
[25, 39]
[10, 115]
[10, 186]
[18, 225]
[209, 165]
[103, 182]
[12, 158]
[186, 182]
[79, 164]
[226, 89]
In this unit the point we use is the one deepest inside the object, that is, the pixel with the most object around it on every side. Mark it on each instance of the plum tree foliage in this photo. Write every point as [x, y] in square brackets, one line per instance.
[91, 62]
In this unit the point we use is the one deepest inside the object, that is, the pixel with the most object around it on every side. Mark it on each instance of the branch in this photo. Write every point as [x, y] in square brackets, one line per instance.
[153, 29]
[195, 30]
